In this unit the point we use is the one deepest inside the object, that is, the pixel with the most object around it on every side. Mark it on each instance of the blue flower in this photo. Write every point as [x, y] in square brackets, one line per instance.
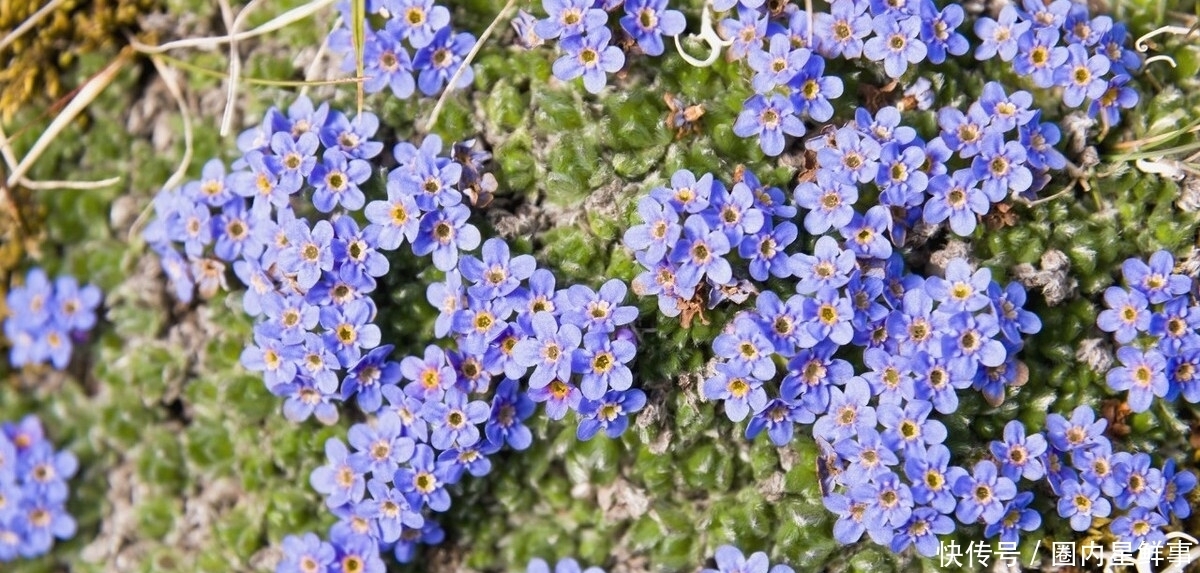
[896, 43]
[1000, 36]
[1082, 76]
[747, 348]
[1156, 279]
[687, 194]
[811, 373]
[830, 200]
[647, 21]
[840, 32]
[1142, 373]
[381, 447]
[777, 64]
[599, 311]
[765, 250]
[731, 560]
[828, 267]
[855, 158]
[828, 316]
[739, 392]
[890, 505]
[1039, 56]
[589, 56]
[386, 62]
[309, 253]
[957, 198]
[342, 480]
[909, 429]
[559, 396]
[1136, 482]
[1000, 166]
[569, 18]
[424, 481]
[603, 364]
[1020, 456]
[417, 20]
[510, 408]
[454, 420]
[441, 59]
[778, 417]
[563, 566]
[1018, 517]
[658, 232]
[1081, 502]
[497, 275]
[768, 118]
[609, 413]
[700, 253]
[933, 478]
[734, 213]
[336, 181]
[395, 512]
[847, 412]
[938, 31]
[444, 232]
[306, 554]
[868, 457]
[1177, 486]
[812, 90]
[849, 527]
[865, 234]
[1082, 431]
[982, 493]
[548, 350]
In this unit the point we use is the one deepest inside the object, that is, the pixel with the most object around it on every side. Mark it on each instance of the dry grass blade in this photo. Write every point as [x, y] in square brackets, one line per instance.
[82, 99]
[462, 66]
[281, 21]
[29, 23]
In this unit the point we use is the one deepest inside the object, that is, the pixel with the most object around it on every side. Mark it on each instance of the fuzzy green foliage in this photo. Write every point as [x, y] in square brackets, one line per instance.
[188, 465]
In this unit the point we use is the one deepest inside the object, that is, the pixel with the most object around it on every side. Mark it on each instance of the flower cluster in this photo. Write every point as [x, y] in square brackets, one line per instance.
[1156, 322]
[46, 316]
[788, 59]
[693, 232]
[414, 48]
[923, 340]
[1091, 479]
[434, 417]
[33, 491]
[1060, 45]
[584, 39]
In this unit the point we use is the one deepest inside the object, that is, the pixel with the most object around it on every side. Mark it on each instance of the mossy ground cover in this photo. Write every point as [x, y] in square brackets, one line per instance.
[188, 465]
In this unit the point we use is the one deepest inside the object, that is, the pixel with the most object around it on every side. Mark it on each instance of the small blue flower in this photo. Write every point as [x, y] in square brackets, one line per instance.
[1156, 279]
[777, 64]
[417, 20]
[591, 57]
[424, 481]
[440, 60]
[739, 392]
[610, 413]
[445, 232]
[1018, 517]
[896, 43]
[1142, 373]
[1081, 502]
[1000, 36]
[603, 363]
[647, 21]
[569, 18]
[982, 493]
[768, 118]
[342, 480]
